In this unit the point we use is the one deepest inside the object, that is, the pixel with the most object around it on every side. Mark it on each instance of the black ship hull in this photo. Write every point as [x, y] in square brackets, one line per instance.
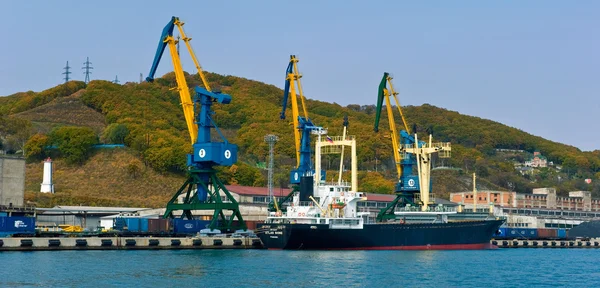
[418, 236]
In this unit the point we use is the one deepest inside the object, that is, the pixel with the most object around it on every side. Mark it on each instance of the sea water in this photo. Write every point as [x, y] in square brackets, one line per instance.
[263, 268]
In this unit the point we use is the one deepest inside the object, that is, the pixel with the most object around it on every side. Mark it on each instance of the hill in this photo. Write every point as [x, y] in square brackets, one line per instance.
[106, 179]
[68, 110]
[157, 138]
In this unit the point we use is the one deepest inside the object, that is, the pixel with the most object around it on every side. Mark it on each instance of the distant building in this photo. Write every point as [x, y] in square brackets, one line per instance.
[541, 198]
[500, 198]
[525, 170]
[537, 161]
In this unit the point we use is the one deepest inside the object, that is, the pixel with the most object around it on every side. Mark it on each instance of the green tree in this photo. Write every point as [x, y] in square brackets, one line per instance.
[35, 147]
[115, 133]
[74, 143]
[247, 175]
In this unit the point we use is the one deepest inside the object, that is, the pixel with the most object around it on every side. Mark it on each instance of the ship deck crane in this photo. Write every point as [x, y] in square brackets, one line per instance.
[303, 173]
[408, 153]
[303, 126]
[202, 190]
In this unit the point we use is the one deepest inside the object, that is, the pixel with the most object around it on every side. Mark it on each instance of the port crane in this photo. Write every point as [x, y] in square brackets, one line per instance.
[409, 153]
[301, 177]
[202, 190]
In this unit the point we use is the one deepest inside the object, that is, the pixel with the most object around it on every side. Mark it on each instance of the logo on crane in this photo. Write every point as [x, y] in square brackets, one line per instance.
[227, 154]
[202, 153]
[411, 182]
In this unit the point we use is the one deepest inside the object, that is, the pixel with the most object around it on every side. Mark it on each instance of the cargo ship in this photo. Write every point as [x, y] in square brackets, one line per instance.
[341, 227]
[325, 216]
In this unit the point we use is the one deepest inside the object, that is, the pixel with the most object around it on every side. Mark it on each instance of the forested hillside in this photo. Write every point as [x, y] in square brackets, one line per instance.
[67, 120]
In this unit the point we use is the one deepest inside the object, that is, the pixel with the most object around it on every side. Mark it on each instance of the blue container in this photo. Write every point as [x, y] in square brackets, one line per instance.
[182, 226]
[130, 224]
[562, 233]
[143, 225]
[17, 225]
[133, 224]
[119, 224]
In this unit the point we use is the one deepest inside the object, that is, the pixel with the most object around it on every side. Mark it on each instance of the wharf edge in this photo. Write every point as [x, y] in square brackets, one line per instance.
[126, 243]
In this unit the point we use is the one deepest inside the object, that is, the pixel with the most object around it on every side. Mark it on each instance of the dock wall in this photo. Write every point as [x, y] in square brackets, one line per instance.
[127, 243]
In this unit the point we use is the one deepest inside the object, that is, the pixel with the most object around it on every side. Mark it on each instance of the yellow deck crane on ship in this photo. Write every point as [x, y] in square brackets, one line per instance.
[408, 153]
[302, 174]
[387, 93]
[202, 190]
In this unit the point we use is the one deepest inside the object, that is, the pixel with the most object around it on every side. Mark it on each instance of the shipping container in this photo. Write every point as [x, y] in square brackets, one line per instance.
[562, 233]
[182, 226]
[159, 225]
[143, 225]
[131, 224]
[21, 225]
[544, 233]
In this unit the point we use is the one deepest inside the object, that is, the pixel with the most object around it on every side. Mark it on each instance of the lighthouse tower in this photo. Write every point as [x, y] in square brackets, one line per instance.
[47, 186]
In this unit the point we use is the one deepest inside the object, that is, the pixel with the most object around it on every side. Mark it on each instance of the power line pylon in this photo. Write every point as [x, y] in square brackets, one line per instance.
[87, 71]
[67, 72]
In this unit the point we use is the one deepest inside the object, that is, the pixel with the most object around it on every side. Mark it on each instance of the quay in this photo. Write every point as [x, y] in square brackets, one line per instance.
[126, 243]
[592, 243]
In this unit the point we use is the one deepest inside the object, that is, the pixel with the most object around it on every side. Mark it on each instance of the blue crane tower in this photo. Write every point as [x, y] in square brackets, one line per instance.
[202, 190]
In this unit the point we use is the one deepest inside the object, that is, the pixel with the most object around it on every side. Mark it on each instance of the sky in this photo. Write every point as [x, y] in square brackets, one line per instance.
[532, 65]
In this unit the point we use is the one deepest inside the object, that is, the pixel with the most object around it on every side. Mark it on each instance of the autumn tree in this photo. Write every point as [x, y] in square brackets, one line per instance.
[35, 148]
[74, 143]
[15, 132]
[115, 133]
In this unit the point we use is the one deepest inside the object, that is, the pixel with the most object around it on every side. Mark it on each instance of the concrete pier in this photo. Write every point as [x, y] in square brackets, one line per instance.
[127, 243]
[592, 243]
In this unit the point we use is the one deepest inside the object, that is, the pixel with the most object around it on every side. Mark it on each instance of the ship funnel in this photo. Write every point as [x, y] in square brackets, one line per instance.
[306, 188]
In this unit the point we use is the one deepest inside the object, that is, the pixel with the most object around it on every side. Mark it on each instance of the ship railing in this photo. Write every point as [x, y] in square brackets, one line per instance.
[336, 183]
[430, 209]
[338, 138]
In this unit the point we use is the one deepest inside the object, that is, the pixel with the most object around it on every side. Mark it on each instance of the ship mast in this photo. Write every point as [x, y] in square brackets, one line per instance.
[423, 157]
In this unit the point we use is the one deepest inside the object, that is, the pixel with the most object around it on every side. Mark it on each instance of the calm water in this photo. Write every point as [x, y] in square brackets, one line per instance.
[253, 268]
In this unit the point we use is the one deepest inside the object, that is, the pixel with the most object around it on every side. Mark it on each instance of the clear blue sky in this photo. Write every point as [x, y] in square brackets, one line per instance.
[533, 65]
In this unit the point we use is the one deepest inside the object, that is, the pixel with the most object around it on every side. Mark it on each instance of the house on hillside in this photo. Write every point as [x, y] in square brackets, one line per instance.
[525, 170]
[537, 161]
